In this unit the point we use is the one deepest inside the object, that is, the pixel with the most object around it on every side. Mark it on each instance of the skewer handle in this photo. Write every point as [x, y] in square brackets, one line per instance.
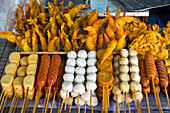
[167, 96]
[71, 104]
[53, 102]
[147, 100]
[4, 104]
[48, 98]
[66, 100]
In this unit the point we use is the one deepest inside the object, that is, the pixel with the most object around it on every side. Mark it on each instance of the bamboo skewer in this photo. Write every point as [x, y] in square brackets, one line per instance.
[167, 96]
[160, 106]
[135, 99]
[16, 104]
[4, 104]
[44, 101]
[85, 107]
[48, 98]
[116, 103]
[147, 100]
[123, 100]
[71, 103]
[155, 94]
[1, 94]
[62, 105]
[53, 103]
[66, 100]
[79, 108]
[78, 100]
[106, 109]
[26, 104]
[139, 109]
[59, 105]
[2, 101]
[12, 103]
[23, 106]
[129, 107]
[67, 109]
[92, 109]
[103, 101]
[90, 97]
[108, 96]
[36, 100]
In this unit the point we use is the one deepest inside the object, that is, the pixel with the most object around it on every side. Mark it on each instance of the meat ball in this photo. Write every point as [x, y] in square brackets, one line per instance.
[132, 52]
[119, 98]
[74, 94]
[80, 70]
[139, 96]
[116, 89]
[82, 54]
[81, 62]
[123, 61]
[71, 62]
[72, 54]
[116, 58]
[135, 77]
[90, 85]
[86, 96]
[91, 62]
[116, 80]
[92, 77]
[116, 73]
[124, 86]
[63, 94]
[134, 68]
[91, 69]
[79, 88]
[79, 78]
[124, 53]
[124, 77]
[116, 65]
[133, 60]
[69, 69]
[68, 77]
[81, 101]
[128, 98]
[91, 54]
[67, 86]
[94, 101]
[135, 86]
[124, 69]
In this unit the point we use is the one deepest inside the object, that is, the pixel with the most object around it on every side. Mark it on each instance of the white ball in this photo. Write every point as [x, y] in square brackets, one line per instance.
[72, 54]
[116, 65]
[124, 53]
[91, 62]
[74, 94]
[90, 85]
[69, 69]
[134, 68]
[91, 69]
[80, 70]
[68, 77]
[81, 62]
[94, 101]
[79, 88]
[132, 52]
[124, 77]
[133, 60]
[135, 77]
[116, 58]
[79, 79]
[124, 69]
[92, 77]
[116, 73]
[63, 94]
[82, 54]
[123, 61]
[67, 86]
[92, 54]
[81, 101]
[86, 96]
[71, 62]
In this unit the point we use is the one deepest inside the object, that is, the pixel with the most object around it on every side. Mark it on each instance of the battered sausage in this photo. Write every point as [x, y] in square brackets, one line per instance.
[157, 89]
[150, 66]
[43, 70]
[53, 71]
[144, 80]
[163, 76]
[147, 90]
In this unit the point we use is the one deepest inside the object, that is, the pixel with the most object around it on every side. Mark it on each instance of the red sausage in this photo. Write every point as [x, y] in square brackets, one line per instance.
[163, 75]
[147, 90]
[144, 80]
[150, 66]
[163, 90]
[53, 71]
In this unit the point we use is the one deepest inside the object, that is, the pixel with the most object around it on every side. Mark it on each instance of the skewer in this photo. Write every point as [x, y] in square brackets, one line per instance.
[4, 104]
[62, 105]
[78, 100]
[1, 94]
[155, 93]
[103, 101]
[160, 106]
[16, 104]
[90, 97]
[66, 100]
[147, 100]
[79, 108]
[66, 108]
[106, 109]
[167, 96]
[123, 100]
[37, 99]
[108, 96]
[116, 103]
[12, 103]
[92, 109]
[23, 106]
[26, 104]
[71, 104]
[2, 101]
[48, 99]
[139, 109]
[135, 99]
[59, 105]
[85, 107]
[53, 102]
[129, 107]
[44, 101]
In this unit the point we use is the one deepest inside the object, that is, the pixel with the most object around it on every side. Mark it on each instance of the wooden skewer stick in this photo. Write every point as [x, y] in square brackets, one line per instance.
[78, 100]
[62, 104]
[92, 109]
[59, 105]
[44, 101]
[66, 100]
[2, 101]
[147, 100]
[108, 95]
[4, 104]
[26, 103]
[106, 109]
[66, 108]
[160, 106]
[155, 93]
[71, 103]
[103, 101]
[16, 104]
[123, 100]
[135, 99]
[85, 107]
[129, 107]
[139, 109]
[48, 98]
[79, 108]
[117, 103]
[53, 102]
[90, 97]
[37, 99]
[1, 94]
[23, 106]
[12, 103]
[167, 96]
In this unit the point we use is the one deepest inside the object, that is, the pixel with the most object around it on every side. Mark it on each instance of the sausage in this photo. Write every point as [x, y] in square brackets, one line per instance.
[53, 71]
[163, 90]
[41, 93]
[163, 76]
[46, 88]
[43, 70]
[56, 88]
[51, 95]
[157, 89]
[147, 90]
[150, 66]
[144, 80]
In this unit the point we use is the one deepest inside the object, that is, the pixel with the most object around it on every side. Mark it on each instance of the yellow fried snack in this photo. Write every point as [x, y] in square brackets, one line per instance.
[10, 36]
[106, 38]
[100, 54]
[25, 46]
[92, 18]
[100, 44]
[34, 41]
[121, 41]
[106, 66]
[68, 20]
[51, 45]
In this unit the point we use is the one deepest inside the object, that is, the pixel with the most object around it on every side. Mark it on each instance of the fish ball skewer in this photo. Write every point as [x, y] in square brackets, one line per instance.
[71, 62]
[68, 77]
[135, 77]
[124, 53]
[81, 62]
[79, 78]
[124, 69]
[123, 61]
[91, 54]
[72, 54]
[91, 62]
[69, 69]
[134, 60]
[91, 69]
[82, 54]
[92, 77]
[80, 70]
[124, 77]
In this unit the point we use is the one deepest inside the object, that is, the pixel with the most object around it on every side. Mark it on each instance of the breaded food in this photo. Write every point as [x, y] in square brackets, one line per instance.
[33, 59]
[31, 69]
[24, 61]
[100, 54]
[14, 57]
[21, 71]
[11, 69]
[30, 92]
[18, 83]
[105, 66]
[6, 80]
[29, 82]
